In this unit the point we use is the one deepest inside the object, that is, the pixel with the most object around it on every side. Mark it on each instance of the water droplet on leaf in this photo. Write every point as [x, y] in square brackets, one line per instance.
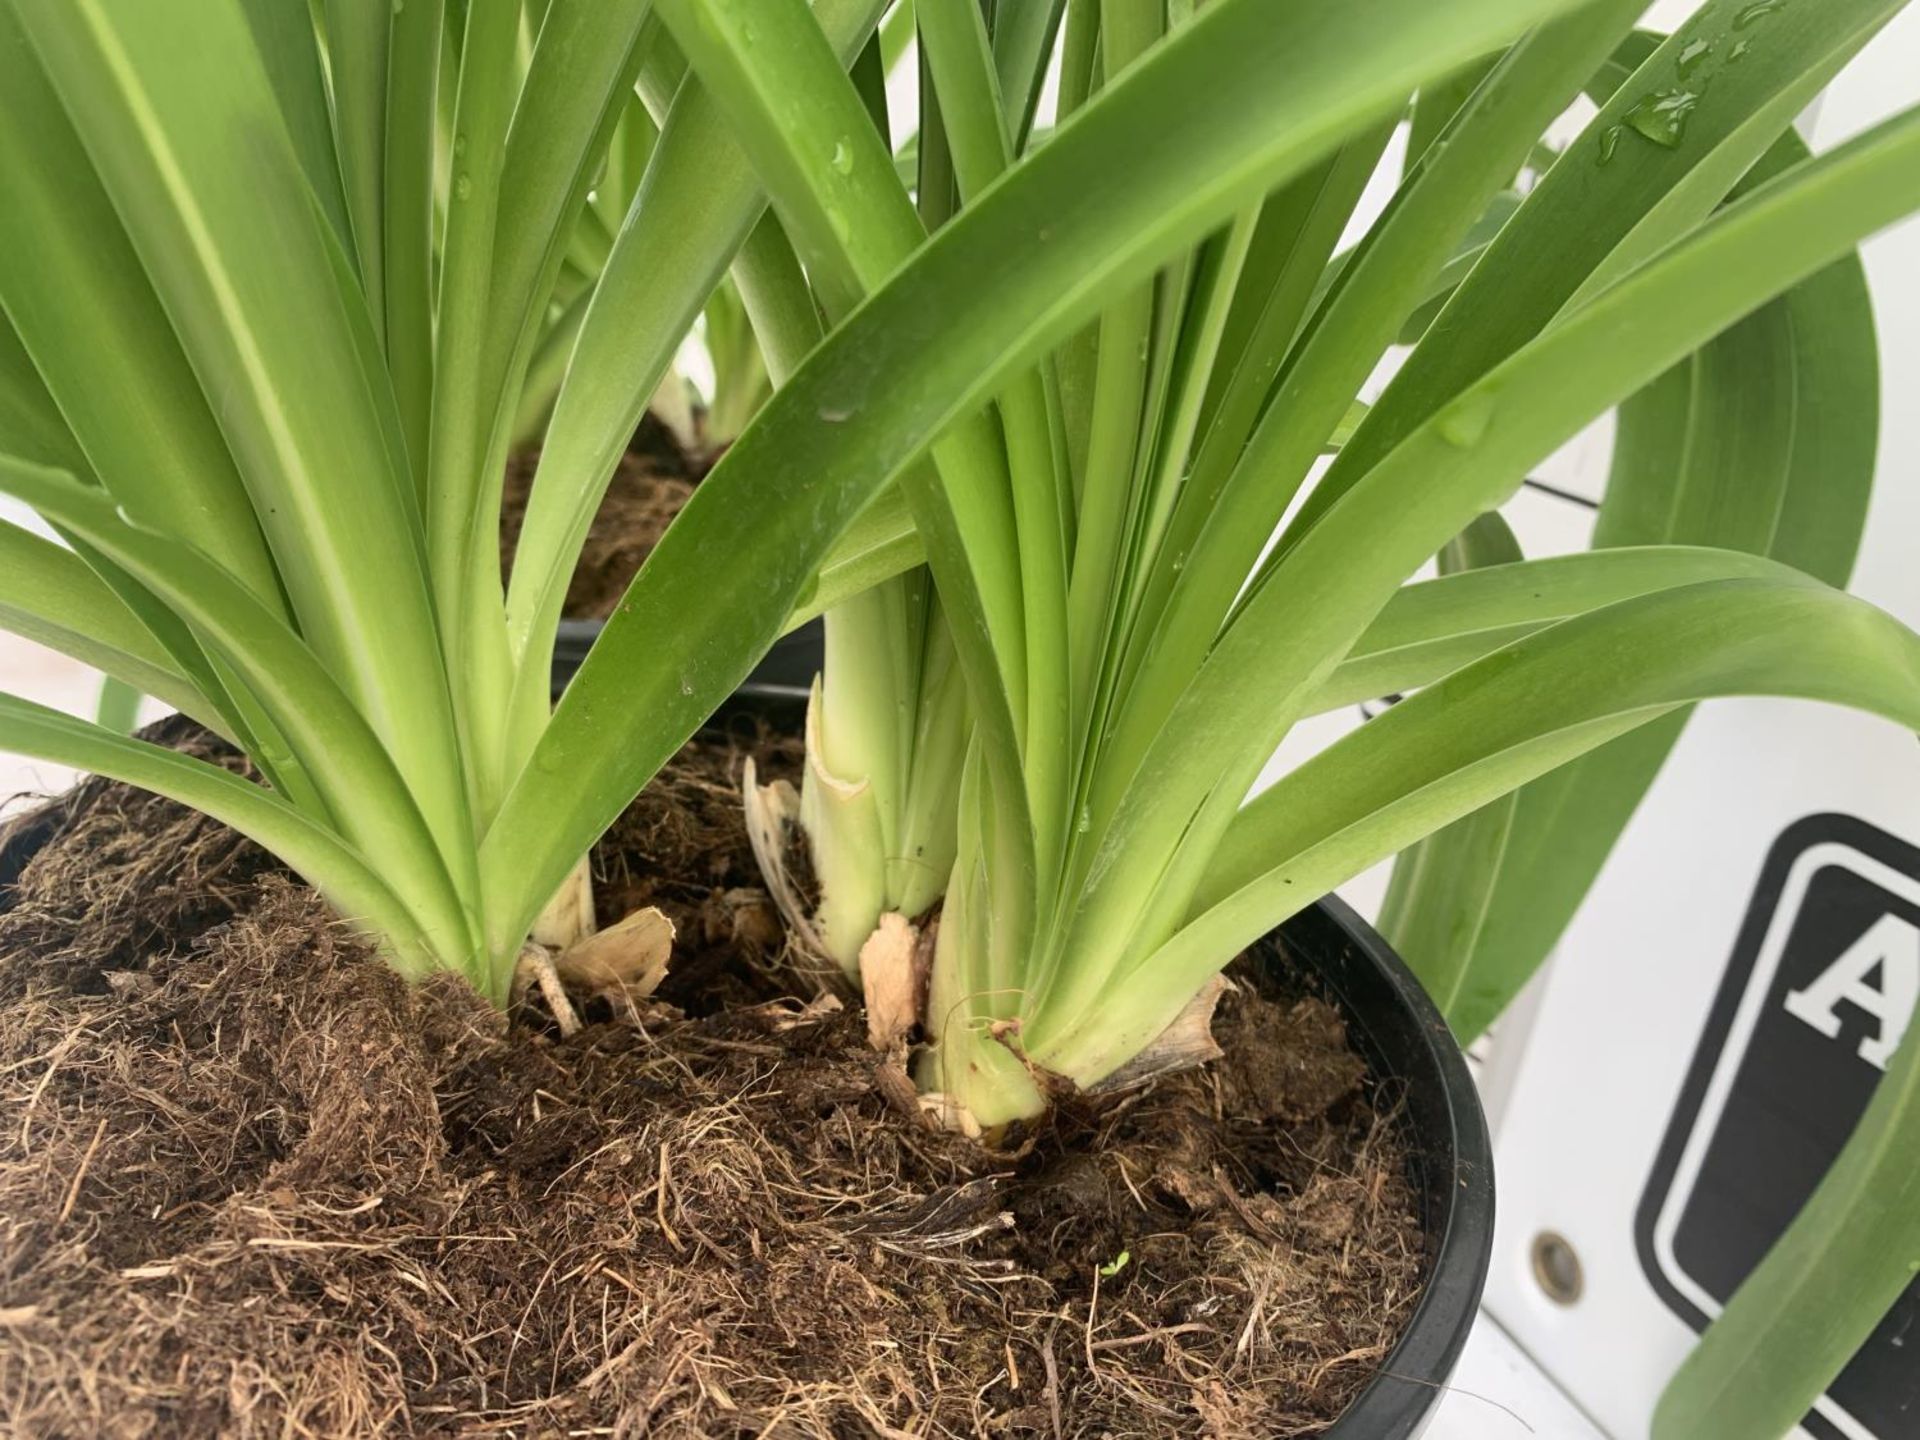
[686, 686]
[1757, 12]
[1609, 142]
[462, 187]
[459, 144]
[1692, 56]
[1085, 822]
[843, 157]
[1739, 52]
[1662, 115]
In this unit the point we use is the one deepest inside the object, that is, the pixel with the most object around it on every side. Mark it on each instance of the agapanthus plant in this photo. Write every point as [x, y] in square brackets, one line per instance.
[1151, 571]
[279, 279]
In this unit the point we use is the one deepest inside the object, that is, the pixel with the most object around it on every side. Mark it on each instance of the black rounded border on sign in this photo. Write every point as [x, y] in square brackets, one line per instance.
[1794, 841]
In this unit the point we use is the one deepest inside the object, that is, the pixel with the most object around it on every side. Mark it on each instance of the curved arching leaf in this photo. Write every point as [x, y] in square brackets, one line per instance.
[1764, 441]
[348, 882]
[1490, 727]
[1233, 103]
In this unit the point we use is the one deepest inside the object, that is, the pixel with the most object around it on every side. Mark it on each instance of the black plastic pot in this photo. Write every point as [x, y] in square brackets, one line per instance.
[1409, 1051]
[786, 671]
[1412, 1059]
[1407, 1047]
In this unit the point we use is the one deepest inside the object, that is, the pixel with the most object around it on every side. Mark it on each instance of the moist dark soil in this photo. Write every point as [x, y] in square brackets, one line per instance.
[251, 1184]
[653, 481]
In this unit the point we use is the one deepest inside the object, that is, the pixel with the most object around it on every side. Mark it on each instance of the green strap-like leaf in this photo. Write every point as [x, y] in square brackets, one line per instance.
[1023, 36]
[1438, 103]
[118, 708]
[1807, 1309]
[357, 46]
[1614, 198]
[413, 76]
[49, 595]
[1465, 460]
[101, 340]
[1231, 105]
[1436, 902]
[1763, 441]
[31, 425]
[882, 542]
[832, 178]
[368, 800]
[348, 882]
[699, 199]
[187, 137]
[1490, 727]
[475, 648]
[1218, 532]
[573, 97]
[1433, 627]
[289, 46]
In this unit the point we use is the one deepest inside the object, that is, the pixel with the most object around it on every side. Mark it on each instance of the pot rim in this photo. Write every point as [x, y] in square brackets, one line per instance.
[1400, 1033]
[1391, 1022]
[785, 673]
[1397, 1029]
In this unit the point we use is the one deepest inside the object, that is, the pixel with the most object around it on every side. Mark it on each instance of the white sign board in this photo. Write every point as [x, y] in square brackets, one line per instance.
[1720, 1007]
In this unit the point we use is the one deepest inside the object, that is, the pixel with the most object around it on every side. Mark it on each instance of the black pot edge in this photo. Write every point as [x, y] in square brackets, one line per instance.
[1394, 1025]
[1397, 1029]
[786, 671]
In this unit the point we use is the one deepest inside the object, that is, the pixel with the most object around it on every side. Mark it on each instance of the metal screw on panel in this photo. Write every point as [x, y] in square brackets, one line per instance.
[1557, 1267]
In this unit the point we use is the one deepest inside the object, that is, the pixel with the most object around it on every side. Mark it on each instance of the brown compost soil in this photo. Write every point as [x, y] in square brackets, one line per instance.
[653, 481]
[251, 1184]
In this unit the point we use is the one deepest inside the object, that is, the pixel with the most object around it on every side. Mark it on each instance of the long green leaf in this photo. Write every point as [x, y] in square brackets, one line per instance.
[1431, 628]
[31, 425]
[367, 797]
[1023, 36]
[881, 543]
[1231, 105]
[1436, 903]
[574, 94]
[49, 595]
[1467, 459]
[1764, 441]
[694, 208]
[986, 508]
[187, 137]
[1803, 1314]
[1493, 726]
[474, 644]
[1614, 198]
[118, 708]
[289, 46]
[357, 45]
[100, 338]
[349, 883]
[32, 429]
[1218, 531]
[579, 78]
[413, 76]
